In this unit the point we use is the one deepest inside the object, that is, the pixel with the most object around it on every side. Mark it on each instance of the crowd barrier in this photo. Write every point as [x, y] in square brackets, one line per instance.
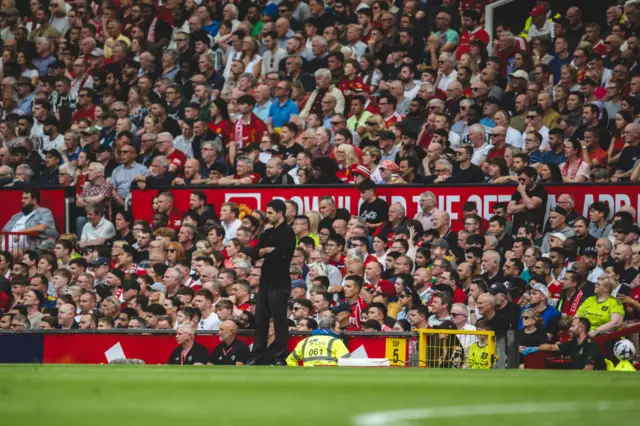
[450, 197]
[456, 348]
[155, 346]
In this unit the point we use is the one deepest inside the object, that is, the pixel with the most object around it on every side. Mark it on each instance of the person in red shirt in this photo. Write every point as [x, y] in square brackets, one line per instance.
[242, 292]
[498, 142]
[244, 173]
[472, 31]
[176, 158]
[592, 154]
[86, 108]
[334, 247]
[352, 287]
[351, 82]
[249, 128]
[451, 278]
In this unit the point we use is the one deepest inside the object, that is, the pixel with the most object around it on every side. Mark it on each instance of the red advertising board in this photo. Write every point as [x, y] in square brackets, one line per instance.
[53, 199]
[87, 348]
[450, 198]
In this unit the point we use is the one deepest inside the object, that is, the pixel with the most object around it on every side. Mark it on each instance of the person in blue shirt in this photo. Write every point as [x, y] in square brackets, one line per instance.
[556, 143]
[283, 107]
[538, 296]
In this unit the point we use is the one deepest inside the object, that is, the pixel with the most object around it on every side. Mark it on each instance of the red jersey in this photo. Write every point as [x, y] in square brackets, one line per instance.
[255, 178]
[355, 84]
[339, 263]
[89, 114]
[555, 288]
[599, 155]
[243, 306]
[356, 312]
[466, 37]
[177, 158]
[395, 118]
[244, 134]
[493, 153]
[223, 129]
[459, 296]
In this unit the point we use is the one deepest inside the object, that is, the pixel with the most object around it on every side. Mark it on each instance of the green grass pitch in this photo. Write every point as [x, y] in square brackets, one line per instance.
[138, 395]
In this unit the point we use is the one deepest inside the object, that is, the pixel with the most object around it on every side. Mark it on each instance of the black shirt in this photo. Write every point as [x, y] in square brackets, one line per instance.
[275, 269]
[327, 222]
[499, 324]
[292, 151]
[238, 351]
[628, 158]
[583, 354]
[49, 177]
[535, 216]
[511, 313]
[197, 354]
[472, 174]
[282, 179]
[588, 241]
[376, 211]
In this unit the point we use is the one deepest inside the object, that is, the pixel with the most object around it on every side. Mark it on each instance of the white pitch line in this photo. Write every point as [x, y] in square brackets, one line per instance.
[401, 417]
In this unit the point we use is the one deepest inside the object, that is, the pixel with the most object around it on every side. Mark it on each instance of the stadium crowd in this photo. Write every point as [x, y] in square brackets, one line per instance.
[110, 96]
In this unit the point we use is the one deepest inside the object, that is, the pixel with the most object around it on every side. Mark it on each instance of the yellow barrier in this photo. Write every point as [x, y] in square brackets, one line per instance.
[456, 348]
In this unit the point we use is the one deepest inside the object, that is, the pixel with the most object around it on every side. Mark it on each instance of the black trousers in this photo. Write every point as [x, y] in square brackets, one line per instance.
[271, 304]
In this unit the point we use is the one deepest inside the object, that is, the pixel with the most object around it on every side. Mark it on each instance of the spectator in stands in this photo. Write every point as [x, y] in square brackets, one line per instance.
[32, 218]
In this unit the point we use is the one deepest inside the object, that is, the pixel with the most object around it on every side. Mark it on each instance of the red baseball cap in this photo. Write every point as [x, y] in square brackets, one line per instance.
[537, 11]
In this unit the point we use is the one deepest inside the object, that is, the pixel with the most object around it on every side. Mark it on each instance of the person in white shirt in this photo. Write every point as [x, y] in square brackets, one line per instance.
[204, 302]
[446, 70]
[478, 140]
[460, 317]
[229, 213]
[98, 230]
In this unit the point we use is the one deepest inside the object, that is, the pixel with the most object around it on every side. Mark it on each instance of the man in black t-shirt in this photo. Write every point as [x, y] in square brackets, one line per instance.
[373, 210]
[188, 352]
[230, 351]
[585, 354]
[505, 308]
[330, 212]
[529, 202]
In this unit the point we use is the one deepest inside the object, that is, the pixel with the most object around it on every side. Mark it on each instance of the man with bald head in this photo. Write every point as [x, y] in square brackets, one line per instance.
[275, 174]
[262, 94]
[66, 317]
[622, 258]
[230, 351]
[487, 308]
[442, 223]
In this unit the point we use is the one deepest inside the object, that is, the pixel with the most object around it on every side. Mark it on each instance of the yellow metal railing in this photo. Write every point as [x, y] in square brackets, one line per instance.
[456, 348]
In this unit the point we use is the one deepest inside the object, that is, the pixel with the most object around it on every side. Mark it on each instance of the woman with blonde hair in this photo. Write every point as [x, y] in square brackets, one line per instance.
[59, 19]
[175, 253]
[249, 56]
[314, 221]
[569, 78]
[469, 61]
[532, 332]
[370, 159]
[152, 126]
[375, 125]
[346, 158]
[605, 312]
[299, 95]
